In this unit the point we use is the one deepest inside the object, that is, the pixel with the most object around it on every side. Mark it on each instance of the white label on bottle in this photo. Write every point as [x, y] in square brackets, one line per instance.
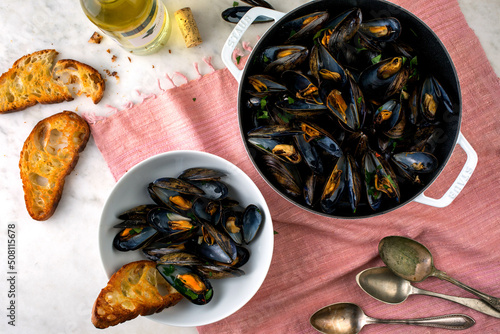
[149, 29]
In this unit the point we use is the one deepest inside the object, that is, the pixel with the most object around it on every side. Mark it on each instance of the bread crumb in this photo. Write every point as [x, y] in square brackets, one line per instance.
[130, 60]
[169, 51]
[113, 59]
[95, 38]
[108, 50]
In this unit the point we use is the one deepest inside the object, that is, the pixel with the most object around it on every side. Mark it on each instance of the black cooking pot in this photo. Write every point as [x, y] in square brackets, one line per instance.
[432, 56]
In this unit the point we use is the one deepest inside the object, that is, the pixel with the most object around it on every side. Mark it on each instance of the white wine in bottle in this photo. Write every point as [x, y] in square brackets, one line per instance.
[139, 26]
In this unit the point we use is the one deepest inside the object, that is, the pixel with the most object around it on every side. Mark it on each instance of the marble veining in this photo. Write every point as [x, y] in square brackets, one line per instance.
[58, 263]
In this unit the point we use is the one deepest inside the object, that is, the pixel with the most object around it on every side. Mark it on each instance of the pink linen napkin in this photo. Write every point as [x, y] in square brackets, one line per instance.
[315, 258]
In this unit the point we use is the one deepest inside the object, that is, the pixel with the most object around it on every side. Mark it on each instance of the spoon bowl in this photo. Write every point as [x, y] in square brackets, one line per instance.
[339, 318]
[348, 318]
[406, 258]
[382, 284]
[413, 261]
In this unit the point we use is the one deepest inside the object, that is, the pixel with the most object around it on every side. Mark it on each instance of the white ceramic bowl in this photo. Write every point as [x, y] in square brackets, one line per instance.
[229, 294]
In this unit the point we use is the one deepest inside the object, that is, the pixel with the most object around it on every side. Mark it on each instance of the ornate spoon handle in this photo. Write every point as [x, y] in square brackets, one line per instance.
[493, 301]
[473, 303]
[452, 321]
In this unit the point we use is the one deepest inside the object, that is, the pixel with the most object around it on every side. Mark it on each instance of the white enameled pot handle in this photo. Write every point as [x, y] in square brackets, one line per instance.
[460, 181]
[237, 33]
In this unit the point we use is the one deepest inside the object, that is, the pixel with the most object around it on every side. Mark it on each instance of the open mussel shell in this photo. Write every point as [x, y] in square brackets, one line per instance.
[345, 27]
[387, 116]
[188, 282]
[263, 85]
[171, 199]
[384, 79]
[251, 221]
[129, 239]
[286, 176]
[234, 15]
[207, 210]
[305, 27]
[301, 86]
[283, 149]
[415, 162]
[433, 99]
[385, 29]
[201, 174]
[324, 66]
[342, 102]
[380, 180]
[334, 186]
[177, 185]
[279, 58]
[231, 223]
[169, 223]
[219, 238]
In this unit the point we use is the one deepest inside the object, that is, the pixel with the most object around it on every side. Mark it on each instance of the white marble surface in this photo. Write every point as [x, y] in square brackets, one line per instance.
[59, 273]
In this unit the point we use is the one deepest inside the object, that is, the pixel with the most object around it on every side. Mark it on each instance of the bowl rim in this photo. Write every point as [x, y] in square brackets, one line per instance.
[266, 235]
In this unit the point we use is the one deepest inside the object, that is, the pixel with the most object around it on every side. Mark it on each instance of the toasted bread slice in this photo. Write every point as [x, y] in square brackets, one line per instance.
[49, 154]
[132, 291]
[89, 80]
[31, 80]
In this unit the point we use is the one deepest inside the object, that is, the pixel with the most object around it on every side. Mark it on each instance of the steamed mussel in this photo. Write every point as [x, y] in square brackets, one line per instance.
[194, 231]
[348, 119]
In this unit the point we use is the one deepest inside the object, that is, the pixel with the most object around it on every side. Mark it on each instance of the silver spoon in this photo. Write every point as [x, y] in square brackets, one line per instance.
[347, 318]
[413, 261]
[382, 284]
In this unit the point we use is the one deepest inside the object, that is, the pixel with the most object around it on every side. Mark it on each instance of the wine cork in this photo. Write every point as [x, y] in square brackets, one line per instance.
[188, 27]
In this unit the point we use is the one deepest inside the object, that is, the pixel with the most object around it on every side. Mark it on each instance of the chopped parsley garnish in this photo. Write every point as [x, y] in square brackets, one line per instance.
[376, 59]
[413, 68]
[262, 114]
[263, 102]
[135, 230]
[235, 3]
